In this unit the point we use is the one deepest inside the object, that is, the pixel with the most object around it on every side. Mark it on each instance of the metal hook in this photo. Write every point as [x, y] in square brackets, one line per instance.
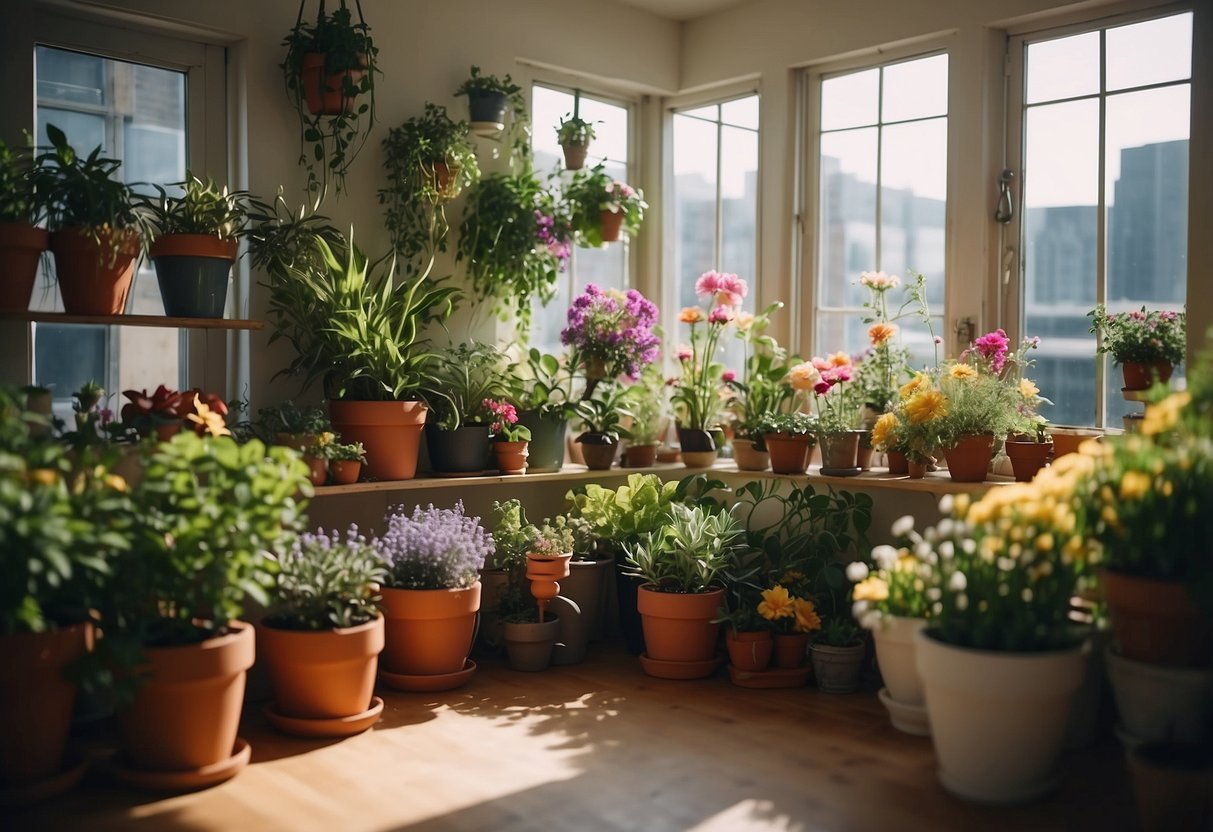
[1006, 208]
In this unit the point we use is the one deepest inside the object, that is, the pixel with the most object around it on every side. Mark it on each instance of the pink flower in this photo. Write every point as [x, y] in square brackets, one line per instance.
[727, 289]
[684, 353]
[820, 363]
[938, 340]
[822, 387]
[720, 315]
[993, 347]
[728, 376]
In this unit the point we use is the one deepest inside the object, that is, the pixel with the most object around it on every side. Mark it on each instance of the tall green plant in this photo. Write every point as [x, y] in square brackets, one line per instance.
[19, 200]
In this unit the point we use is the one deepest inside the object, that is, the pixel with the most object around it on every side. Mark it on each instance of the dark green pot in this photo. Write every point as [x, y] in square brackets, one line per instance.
[547, 440]
[193, 287]
[487, 106]
[464, 450]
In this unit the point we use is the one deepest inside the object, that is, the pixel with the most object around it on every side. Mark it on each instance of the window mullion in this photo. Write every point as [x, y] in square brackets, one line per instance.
[1101, 248]
[879, 221]
[718, 253]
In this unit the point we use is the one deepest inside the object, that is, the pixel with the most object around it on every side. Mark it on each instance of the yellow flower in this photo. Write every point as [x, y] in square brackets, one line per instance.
[115, 482]
[776, 604]
[807, 620]
[804, 376]
[926, 405]
[1134, 485]
[882, 430]
[962, 371]
[209, 420]
[44, 476]
[872, 588]
[1027, 389]
[911, 387]
[881, 332]
[1162, 417]
[691, 315]
[791, 577]
[744, 321]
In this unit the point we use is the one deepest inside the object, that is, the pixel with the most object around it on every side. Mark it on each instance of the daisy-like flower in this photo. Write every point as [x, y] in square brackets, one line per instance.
[1028, 389]
[879, 333]
[914, 385]
[207, 421]
[962, 372]
[807, 620]
[926, 405]
[880, 281]
[804, 376]
[690, 315]
[776, 604]
[882, 430]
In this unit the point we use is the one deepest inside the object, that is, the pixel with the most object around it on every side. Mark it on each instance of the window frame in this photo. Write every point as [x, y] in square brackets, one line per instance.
[806, 213]
[1011, 294]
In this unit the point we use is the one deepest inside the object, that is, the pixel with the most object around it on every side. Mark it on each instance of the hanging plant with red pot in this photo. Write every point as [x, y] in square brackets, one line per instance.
[95, 230]
[1147, 343]
[329, 69]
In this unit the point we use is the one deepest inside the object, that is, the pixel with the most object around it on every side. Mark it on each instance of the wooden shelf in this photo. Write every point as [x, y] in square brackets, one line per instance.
[132, 320]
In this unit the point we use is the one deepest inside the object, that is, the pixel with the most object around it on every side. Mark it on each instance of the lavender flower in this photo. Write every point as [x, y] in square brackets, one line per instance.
[434, 548]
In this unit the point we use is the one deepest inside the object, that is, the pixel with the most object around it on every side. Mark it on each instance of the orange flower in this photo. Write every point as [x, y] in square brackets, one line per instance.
[882, 431]
[911, 387]
[776, 604]
[690, 315]
[879, 333]
[839, 359]
[962, 372]
[807, 620]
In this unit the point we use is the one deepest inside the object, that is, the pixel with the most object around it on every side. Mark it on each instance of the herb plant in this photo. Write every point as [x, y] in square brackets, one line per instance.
[327, 580]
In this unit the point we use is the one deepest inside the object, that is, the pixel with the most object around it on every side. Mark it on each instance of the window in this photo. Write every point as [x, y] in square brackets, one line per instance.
[1101, 130]
[715, 199]
[881, 173]
[609, 266]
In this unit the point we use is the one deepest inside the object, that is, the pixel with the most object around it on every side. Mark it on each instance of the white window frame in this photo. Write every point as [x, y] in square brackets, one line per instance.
[1012, 291]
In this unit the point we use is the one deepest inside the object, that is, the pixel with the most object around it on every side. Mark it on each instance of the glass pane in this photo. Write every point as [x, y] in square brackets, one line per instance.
[1147, 196]
[142, 123]
[847, 331]
[847, 231]
[694, 157]
[710, 112]
[743, 112]
[1063, 68]
[548, 106]
[1150, 52]
[850, 100]
[915, 89]
[1061, 189]
[913, 177]
[739, 204]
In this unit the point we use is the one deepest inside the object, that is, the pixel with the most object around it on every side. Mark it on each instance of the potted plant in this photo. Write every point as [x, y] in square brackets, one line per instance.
[514, 237]
[530, 627]
[1147, 344]
[836, 417]
[329, 70]
[838, 652]
[165, 412]
[681, 566]
[94, 226]
[748, 637]
[322, 637]
[761, 390]
[509, 439]
[345, 461]
[888, 605]
[489, 97]
[21, 240]
[194, 239]
[610, 334]
[177, 595]
[788, 438]
[429, 160]
[999, 659]
[792, 616]
[696, 398]
[574, 135]
[603, 207]
[306, 429]
[602, 418]
[59, 531]
[465, 377]
[544, 395]
[357, 328]
[648, 412]
[431, 596]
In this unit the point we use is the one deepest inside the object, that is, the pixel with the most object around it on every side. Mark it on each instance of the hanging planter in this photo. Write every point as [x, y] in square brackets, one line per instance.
[603, 207]
[329, 70]
[574, 136]
[489, 100]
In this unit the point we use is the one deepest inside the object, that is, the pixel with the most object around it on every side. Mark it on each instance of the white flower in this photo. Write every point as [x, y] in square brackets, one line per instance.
[1027, 594]
[885, 556]
[945, 504]
[858, 608]
[962, 602]
[969, 545]
[903, 526]
[947, 550]
[857, 571]
[946, 527]
[870, 620]
[958, 582]
[934, 593]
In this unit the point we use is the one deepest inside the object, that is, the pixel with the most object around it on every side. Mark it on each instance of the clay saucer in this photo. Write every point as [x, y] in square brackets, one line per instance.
[20, 794]
[664, 669]
[774, 677]
[342, 726]
[428, 683]
[840, 472]
[910, 719]
[185, 781]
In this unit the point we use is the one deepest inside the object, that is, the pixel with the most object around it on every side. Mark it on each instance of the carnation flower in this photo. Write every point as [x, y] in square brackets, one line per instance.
[725, 289]
[993, 348]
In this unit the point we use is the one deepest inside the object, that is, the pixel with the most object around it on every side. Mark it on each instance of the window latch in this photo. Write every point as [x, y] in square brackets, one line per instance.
[1006, 207]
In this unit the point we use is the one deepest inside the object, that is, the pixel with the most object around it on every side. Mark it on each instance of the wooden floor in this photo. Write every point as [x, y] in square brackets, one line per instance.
[595, 746]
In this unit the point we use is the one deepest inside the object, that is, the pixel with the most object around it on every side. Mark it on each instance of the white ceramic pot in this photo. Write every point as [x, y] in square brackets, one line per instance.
[1157, 702]
[998, 719]
[895, 654]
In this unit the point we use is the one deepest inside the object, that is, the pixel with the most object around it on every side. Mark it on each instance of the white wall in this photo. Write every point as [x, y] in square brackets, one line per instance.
[773, 39]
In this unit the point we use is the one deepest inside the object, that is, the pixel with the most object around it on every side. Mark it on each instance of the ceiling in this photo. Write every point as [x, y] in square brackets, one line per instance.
[682, 9]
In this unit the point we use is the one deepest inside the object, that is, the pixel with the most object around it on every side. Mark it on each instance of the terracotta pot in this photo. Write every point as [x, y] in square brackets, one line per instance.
[511, 456]
[317, 469]
[429, 631]
[322, 674]
[1140, 375]
[94, 279]
[1173, 786]
[612, 226]
[574, 155]
[998, 719]
[749, 650]
[916, 470]
[21, 247]
[529, 645]
[390, 432]
[969, 458]
[185, 715]
[863, 455]
[838, 450]
[1027, 457]
[36, 701]
[789, 453]
[345, 471]
[899, 465]
[545, 572]
[323, 92]
[791, 649]
[1067, 440]
[193, 245]
[677, 626]
[837, 669]
[446, 181]
[749, 458]
[640, 456]
[598, 457]
[1157, 621]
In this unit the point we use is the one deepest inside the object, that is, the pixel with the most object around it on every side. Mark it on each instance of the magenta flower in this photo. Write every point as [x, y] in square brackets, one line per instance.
[720, 315]
[728, 376]
[993, 348]
[822, 387]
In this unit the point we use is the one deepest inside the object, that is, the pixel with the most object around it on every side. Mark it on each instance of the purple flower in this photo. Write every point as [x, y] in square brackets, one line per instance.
[434, 548]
